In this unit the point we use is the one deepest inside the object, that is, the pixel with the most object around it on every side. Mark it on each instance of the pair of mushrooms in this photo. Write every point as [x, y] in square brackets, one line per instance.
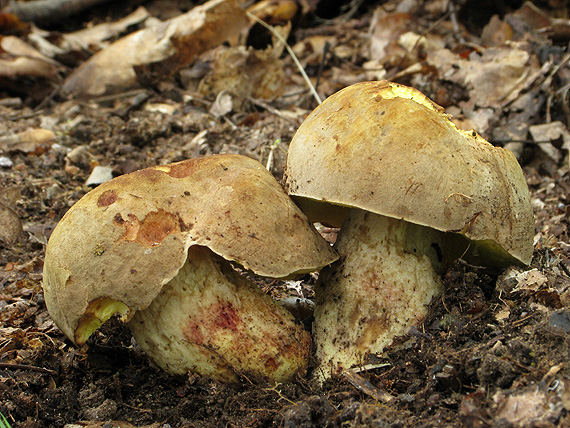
[409, 190]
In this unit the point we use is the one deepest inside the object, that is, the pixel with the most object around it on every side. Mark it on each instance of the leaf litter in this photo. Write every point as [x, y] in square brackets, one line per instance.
[493, 351]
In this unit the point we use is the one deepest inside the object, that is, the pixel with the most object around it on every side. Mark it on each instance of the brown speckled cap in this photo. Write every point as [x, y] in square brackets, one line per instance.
[386, 148]
[128, 237]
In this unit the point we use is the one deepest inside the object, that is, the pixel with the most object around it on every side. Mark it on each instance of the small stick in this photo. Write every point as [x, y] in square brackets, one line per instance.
[48, 11]
[365, 386]
[454, 23]
[269, 165]
[270, 109]
[326, 50]
[26, 367]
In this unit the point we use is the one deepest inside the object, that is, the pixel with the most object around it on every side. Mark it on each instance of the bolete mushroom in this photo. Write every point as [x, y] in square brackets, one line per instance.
[411, 193]
[157, 246]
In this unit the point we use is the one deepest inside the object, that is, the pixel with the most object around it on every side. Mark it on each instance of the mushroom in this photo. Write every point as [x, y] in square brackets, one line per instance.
[411, 193]
[158, 247]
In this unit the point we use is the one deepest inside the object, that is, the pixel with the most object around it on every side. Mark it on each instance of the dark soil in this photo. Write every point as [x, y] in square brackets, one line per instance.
[493, 352]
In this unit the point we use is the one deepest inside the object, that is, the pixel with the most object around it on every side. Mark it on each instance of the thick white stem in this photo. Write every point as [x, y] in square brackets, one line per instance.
[379, 288]
[212, 321]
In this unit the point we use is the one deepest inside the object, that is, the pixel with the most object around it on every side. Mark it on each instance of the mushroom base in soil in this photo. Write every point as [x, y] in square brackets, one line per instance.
[386, 276]
[158, 246]
[411, 193]
[211, 320]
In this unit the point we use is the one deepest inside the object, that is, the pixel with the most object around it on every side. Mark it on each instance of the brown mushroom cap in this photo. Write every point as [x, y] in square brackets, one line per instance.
[128, 237]
[386, 148]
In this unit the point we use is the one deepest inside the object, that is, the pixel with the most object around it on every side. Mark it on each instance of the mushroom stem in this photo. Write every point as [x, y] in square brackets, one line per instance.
[380, 287]
[211, 320]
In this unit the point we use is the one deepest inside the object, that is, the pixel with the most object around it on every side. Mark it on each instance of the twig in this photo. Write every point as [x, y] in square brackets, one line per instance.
[365, 386]
[326, 50]
[290, 51]
[453, 18]
[26, 367]
[278, 392]
[269, 165]
[367, 367]
[48, 11]
[136, 408]
[521, 321]
[270, 109]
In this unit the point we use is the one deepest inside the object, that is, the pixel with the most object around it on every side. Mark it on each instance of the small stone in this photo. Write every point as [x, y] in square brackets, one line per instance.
[99, 175]
[560, 320]
[6, 162]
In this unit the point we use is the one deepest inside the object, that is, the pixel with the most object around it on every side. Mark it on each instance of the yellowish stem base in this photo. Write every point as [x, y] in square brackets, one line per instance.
[212, 321]
[380, 287]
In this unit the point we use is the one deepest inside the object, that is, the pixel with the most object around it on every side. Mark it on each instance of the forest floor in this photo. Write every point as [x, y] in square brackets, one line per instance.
[494, 350]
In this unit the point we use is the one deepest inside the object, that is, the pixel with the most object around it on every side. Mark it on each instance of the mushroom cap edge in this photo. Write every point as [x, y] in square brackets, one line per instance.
[128, 237]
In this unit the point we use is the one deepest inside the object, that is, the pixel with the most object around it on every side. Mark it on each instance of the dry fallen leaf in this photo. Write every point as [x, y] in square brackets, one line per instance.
[531, 280]
[223, 104]
[244, 73]
[523, 409]
[385, 30]
[20, 59]
[34, 141]
[173, 44]
[555, 132]
[493, 77]
[94, 36]
[10, 225]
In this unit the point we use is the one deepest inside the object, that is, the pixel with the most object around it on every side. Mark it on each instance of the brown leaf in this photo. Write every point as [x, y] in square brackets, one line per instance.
[173, 43]
[11, 24]
[523, 408]
[94, 36]
[245, 73]
[385, 30]
[34, 141]
[553, 132]
[10, 225]
[493, 78]
[21, 59]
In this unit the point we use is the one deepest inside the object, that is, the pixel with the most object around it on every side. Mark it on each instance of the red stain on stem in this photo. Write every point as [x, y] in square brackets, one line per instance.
[226, 316]
[203, 328]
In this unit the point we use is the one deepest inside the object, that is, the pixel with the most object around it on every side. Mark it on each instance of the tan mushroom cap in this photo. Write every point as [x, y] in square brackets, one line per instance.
[388, 149]
[128, 237]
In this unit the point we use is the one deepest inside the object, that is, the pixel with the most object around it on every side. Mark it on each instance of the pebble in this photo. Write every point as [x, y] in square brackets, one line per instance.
[560, 320]
[99, 175]
[6, 162]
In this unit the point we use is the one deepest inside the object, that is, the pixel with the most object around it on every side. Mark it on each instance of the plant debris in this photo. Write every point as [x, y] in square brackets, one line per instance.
[493, 350]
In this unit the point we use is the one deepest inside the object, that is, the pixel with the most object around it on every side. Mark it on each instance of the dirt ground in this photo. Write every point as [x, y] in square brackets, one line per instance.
[495, 348]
